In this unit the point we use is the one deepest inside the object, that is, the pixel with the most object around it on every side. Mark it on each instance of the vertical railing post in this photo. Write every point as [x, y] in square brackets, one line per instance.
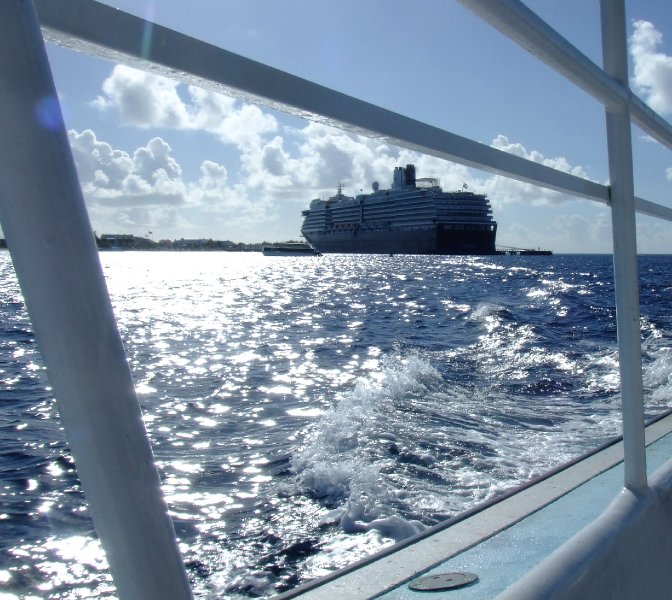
[53, 249]
[614, 50]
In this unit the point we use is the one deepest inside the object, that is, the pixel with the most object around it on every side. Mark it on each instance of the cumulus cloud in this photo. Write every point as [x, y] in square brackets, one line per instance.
[147, 190]
[278, 168]
[652, 68]
[320, 157]
[328, 156]
[142, 99]
[150, 176]
[507, 191]
[501, 142]
[146, 100]
[576, 231]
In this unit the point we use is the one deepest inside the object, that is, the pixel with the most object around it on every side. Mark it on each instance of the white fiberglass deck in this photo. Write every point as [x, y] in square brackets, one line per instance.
[519, 532]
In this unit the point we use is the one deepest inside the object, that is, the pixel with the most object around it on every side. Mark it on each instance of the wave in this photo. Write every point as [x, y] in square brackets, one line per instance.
[304, 416]
[419, 440]
[351, 451]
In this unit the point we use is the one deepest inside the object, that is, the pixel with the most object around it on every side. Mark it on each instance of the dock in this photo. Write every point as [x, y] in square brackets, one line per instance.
[510, 251]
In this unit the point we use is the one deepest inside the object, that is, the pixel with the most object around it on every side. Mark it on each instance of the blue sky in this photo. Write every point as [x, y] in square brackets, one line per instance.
[155, 156]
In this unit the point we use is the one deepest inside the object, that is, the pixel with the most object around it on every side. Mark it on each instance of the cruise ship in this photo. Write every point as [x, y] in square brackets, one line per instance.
[414, 216]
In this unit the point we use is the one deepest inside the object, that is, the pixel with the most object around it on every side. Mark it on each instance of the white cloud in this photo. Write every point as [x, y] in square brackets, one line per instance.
[213, 176]
[501, 142]
[142, 99]
[652, 78]
[504, 190]
[320, 157]
[575, 232]
[653, 235]
[146, 190]
[276, 179]
[146, 100]
[109, 176]
[652, 69]
[279, 169]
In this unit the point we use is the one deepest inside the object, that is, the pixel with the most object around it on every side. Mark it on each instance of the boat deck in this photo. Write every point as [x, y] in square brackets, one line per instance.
[503, 542]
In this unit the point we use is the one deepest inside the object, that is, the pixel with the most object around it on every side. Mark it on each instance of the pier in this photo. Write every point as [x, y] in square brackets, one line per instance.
[510, 251]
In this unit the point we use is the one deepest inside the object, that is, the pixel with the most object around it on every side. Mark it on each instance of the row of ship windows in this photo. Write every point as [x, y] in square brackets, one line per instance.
[425, 199]
[341, 231]
[406, 206]
[411, 220]
[398, 226]
[424, 196]
[370, 214]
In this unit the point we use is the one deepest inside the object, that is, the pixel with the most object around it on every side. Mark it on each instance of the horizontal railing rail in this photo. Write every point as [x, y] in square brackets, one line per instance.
[518, 22]
[108, 33]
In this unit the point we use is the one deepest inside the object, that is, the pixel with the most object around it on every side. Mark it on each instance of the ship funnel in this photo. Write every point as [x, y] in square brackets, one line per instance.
[398, 180]
[404, 177]
[409, 175]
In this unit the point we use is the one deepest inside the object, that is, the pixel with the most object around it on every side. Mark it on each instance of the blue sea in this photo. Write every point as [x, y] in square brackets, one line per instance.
[308, 411]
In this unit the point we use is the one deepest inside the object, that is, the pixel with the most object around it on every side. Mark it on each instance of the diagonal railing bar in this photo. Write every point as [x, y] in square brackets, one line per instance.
[519, 23]
[652, 209]
[609, 86]
[102, 31]
[55, 257]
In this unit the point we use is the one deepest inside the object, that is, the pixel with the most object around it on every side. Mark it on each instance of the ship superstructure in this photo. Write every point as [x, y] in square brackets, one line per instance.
[414, 216]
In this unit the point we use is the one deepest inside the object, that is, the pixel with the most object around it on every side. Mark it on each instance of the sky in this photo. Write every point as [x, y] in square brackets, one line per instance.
[164, 160]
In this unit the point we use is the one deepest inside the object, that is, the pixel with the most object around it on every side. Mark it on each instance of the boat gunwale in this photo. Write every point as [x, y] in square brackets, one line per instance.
[480, 508]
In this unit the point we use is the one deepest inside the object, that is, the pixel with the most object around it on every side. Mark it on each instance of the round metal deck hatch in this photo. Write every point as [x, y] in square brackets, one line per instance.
[441, 582]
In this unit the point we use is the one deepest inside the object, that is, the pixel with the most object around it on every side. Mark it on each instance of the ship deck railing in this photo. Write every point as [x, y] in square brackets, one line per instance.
[49, 237]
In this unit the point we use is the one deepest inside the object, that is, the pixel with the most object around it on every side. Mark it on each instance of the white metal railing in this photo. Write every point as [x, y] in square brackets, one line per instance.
[108, 33]
[519, 23]
[45, 222]
[626, 281]
[56, 261]
[610, 87]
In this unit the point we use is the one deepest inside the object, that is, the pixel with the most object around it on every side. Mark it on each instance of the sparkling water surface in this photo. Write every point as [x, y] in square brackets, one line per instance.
[308, 411]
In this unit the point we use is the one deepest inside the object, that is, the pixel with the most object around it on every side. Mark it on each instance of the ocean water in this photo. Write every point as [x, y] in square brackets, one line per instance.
[307, 411]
